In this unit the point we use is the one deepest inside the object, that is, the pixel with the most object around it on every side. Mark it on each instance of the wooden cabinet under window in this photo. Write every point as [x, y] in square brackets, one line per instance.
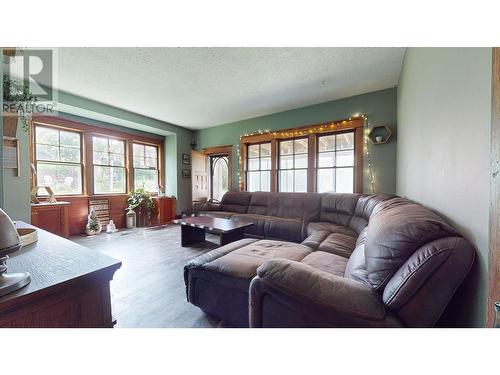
[165, 210]
[53, 217]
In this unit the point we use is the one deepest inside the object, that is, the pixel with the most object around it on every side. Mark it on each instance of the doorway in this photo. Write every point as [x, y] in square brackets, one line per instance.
[219, 176]
[219, 168]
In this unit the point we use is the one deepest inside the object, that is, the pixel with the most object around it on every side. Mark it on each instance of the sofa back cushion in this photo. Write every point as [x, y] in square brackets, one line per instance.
[338, 208]
[286, 205]
[364, 208]
[236, 201]
[397, 228]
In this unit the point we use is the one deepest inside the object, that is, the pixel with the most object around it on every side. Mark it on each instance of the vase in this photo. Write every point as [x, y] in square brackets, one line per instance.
[131, 218]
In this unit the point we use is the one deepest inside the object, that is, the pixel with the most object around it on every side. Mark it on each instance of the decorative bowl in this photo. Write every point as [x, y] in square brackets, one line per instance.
[27, 236]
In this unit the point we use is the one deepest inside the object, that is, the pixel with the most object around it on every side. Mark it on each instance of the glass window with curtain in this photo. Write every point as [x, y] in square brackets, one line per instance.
[145, 161]
[259, 167]
[109, 165]
[335, 163]
[58, 160]
[293, 163]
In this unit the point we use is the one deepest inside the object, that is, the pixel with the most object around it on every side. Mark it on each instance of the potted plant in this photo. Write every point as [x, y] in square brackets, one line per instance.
[141, 201]
[20, 102]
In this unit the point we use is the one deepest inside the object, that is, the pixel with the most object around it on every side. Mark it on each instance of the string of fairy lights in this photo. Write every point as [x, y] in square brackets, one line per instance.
[325, 127]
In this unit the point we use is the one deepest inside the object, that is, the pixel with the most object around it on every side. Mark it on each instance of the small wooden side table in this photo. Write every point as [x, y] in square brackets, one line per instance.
[165, 207]
[53, 217]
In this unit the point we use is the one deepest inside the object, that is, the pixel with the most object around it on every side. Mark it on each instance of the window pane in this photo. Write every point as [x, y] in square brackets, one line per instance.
[109, 180]
[286, 162]
[253, 181]
[301, 146]
[69, 154]
[253, 164]
[101, 158]
[286, 147]
[301, 161]
[326, 159]
[151, 163]
[70, 139]
[47, 152]
[147, 179]
[151, 152]
[139, 162]
[265, 163]
[286, 181]
[116, 146]
[63, 179]
[326, 143]
[345, 141]
[345, 158]
[117, 160]
[326, 180]
[265, 181]
[47, 136]
[138, 150]
[345, 180]
[100, 144]
[265, 149]
[300, 184]
[253, 151]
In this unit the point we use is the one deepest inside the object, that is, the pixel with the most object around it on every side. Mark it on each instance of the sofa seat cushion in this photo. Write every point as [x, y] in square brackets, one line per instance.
[330, 263]
[329, 227]
[243, 262]
[217, 214]
[272, 227]
[339, 244]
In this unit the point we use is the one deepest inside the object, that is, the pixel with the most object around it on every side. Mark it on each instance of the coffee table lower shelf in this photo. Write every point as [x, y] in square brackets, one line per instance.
[193, 229]
[191, 235]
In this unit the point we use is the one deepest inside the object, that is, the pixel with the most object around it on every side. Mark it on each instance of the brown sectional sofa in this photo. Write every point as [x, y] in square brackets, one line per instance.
[330, 260]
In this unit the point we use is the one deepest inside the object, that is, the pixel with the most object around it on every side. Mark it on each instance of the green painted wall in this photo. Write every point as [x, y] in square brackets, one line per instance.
[378, 106]
[444, 125]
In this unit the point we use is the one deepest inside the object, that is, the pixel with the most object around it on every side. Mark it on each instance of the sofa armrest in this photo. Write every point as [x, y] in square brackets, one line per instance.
[315, 297]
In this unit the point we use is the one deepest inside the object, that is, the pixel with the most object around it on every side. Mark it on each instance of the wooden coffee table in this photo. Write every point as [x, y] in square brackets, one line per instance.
[193, 229]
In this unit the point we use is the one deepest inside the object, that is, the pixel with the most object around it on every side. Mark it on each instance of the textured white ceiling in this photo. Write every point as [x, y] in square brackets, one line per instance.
[202, 87]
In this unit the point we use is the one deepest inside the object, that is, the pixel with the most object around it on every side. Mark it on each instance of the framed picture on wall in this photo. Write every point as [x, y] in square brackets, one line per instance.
[186, 159]
[186, 173]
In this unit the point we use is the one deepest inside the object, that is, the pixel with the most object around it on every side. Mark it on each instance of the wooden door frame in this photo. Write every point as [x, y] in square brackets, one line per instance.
[220, 150]
[494, 242]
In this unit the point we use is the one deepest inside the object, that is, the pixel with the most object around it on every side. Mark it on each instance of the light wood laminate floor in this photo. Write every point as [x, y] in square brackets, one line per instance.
[149, 291]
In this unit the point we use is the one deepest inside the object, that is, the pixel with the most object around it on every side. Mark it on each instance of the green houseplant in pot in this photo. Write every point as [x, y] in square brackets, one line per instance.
[141, 201]
[18, 105]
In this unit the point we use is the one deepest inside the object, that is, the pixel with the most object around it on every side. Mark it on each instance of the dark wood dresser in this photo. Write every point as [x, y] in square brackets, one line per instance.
[69, 286]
